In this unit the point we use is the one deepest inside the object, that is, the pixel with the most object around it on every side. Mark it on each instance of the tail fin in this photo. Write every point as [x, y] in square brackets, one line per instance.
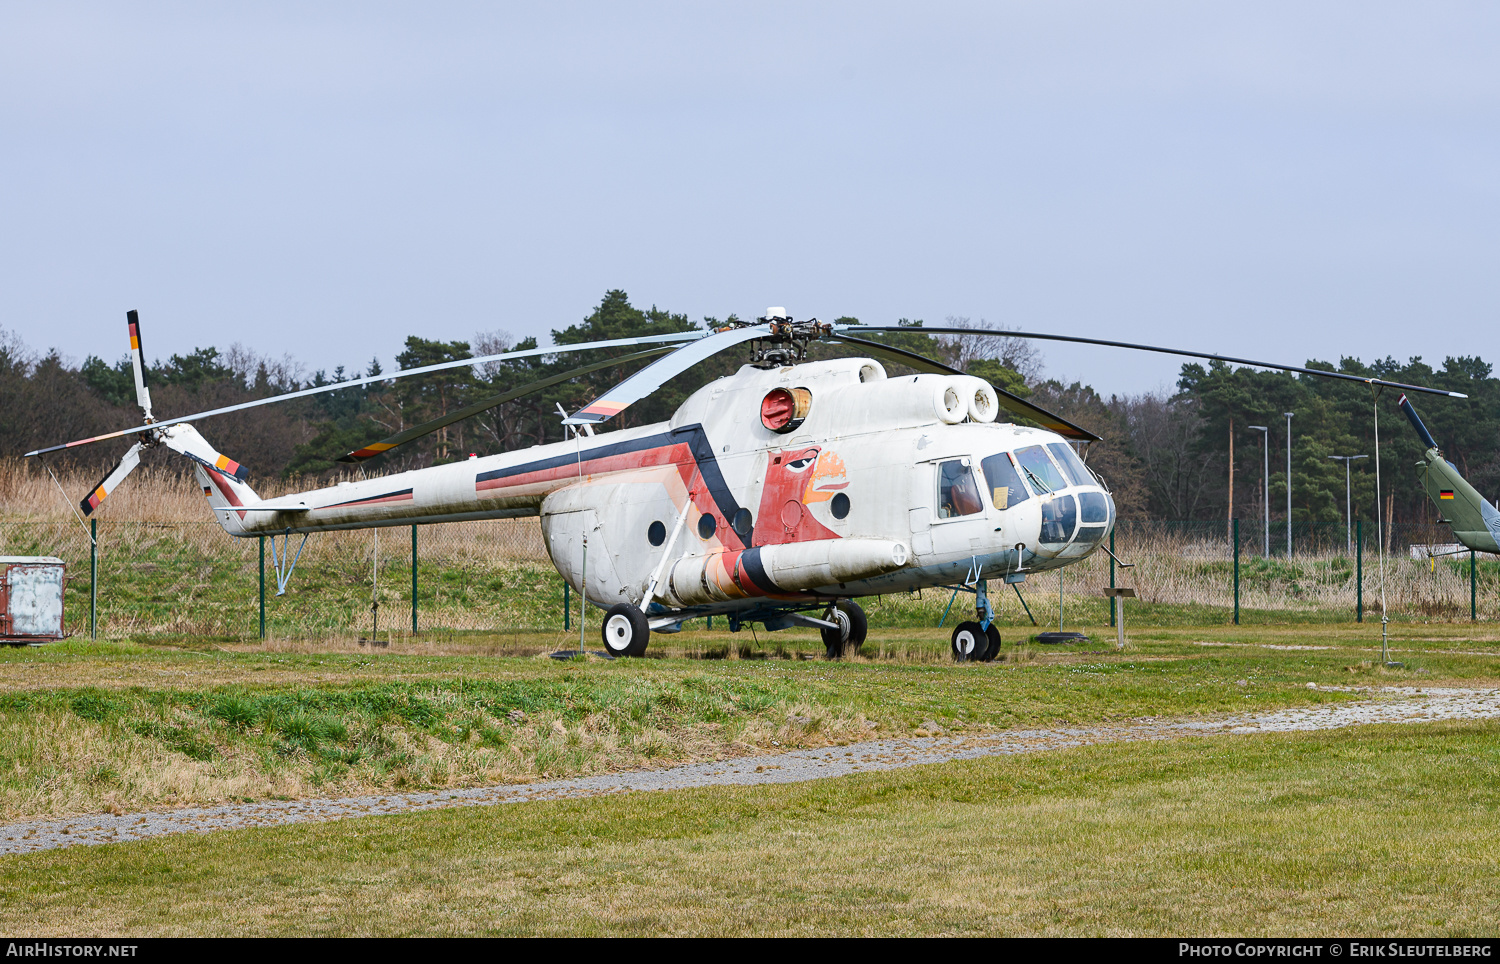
[221, 478]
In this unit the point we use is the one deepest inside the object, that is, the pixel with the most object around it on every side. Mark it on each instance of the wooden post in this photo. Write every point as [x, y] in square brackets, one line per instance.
[1236, 530]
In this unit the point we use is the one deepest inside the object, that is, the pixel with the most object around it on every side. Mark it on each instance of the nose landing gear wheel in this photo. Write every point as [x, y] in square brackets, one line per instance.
[971, 644]
[625, 631]
[850, 635]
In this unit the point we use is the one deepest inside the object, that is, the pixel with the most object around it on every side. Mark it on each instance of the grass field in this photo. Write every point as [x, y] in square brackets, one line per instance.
[1382, 831]
[1371, 831]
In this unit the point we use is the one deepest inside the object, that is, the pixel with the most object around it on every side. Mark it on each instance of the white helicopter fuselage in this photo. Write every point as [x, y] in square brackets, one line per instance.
[868, 485]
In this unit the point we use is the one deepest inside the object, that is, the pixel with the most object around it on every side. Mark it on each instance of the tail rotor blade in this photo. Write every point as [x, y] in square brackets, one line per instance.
[111, 481]
[138, 362]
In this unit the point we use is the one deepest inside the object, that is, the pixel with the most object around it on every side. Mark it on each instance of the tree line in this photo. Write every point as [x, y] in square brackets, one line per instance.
[1187, 454]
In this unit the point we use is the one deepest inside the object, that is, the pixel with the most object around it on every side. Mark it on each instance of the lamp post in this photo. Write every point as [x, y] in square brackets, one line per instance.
[1288, 485]
[1265, 482]
[1348, 505]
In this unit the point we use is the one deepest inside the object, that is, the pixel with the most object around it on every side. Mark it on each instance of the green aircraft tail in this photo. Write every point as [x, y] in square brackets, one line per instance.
[1475, 522]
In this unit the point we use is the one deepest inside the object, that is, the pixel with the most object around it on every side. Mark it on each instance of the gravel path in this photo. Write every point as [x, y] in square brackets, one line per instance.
[1390, 705]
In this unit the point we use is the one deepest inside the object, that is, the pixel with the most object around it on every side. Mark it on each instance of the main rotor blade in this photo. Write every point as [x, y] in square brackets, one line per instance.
[1015, 403]
[403, 373]
[987, 332]
[650, 378]
[426, 428]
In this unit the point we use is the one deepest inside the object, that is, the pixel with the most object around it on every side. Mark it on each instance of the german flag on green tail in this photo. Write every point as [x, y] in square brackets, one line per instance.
[1445, 493]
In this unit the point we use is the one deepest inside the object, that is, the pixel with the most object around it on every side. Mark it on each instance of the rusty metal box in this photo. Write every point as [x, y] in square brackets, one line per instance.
[31, 599]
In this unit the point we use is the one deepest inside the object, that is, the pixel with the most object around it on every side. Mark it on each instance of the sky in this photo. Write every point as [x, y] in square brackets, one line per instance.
[1271, 180]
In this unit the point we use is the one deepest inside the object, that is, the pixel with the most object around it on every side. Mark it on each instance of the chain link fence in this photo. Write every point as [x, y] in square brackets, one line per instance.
[166, 579]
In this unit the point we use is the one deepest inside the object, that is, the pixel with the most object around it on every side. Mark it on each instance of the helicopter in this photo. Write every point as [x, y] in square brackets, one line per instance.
[1475, 522]
[778, 495]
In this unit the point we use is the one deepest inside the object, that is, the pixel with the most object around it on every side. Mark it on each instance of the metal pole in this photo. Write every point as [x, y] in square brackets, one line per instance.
[1113, 602]
[1359, 573]
[1473, 599]
[413, 580]
[1348, 501]
[375, 590]
[1265, 481]
[1265, 454]
[1236, 572]
[1059, 601]
[1349, 511]
[93, 579]
[583, 595]
[567, 608]
[1288, 485]
[262, 587]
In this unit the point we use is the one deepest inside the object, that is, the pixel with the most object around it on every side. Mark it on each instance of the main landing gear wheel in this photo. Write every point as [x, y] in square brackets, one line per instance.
[994, 650]
[625, 631]
[850, 635]
[971, 644]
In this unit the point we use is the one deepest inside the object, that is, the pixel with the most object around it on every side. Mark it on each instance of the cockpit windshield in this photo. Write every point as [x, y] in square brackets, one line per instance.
[1072, 465]
[1039, 470]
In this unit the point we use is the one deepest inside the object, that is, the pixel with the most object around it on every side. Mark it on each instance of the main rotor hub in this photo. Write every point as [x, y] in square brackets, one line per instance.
[787, 339]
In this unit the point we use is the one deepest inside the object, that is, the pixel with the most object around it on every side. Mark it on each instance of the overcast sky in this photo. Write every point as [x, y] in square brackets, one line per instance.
[1278, 180]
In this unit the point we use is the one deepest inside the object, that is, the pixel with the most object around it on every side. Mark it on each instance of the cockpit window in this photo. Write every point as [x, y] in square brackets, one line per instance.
[958, 494]
[1039, 470]
[1005, 485]
[1072, 465]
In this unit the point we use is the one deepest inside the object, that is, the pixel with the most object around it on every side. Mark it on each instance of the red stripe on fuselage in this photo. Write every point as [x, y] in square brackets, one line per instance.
[225, 490]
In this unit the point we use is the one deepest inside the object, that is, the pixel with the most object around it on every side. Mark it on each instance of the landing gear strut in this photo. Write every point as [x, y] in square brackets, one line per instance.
[850, 636]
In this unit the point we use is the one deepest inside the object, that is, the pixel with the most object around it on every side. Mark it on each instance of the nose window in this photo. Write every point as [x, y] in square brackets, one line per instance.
[1059, 519]
[958, 494]
[1093, 508]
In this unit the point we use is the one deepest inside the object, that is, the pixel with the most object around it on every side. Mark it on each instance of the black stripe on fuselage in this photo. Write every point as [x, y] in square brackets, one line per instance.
[368, 498]
[693, 436]
[750, 559]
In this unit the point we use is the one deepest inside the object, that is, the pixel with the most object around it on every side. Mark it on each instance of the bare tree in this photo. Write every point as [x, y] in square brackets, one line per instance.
[1162, 432]
[1017, 354]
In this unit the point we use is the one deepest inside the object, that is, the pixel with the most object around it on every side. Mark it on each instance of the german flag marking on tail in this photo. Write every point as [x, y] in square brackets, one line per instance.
[1445, 494]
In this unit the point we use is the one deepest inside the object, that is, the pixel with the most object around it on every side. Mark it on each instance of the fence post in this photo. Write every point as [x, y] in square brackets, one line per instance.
[262, 587]
[1359, 570]
[1473, 608]
[93, 579]
[1236, 572]
[413, 580]
[567, 609]
[1112, 601]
